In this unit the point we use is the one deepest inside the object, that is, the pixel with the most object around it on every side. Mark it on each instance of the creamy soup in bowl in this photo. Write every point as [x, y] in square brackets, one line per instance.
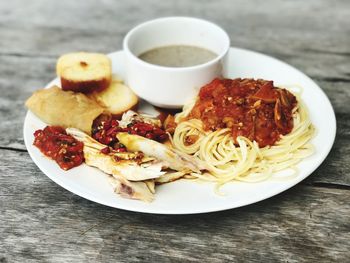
[169, 59]
[178, 56]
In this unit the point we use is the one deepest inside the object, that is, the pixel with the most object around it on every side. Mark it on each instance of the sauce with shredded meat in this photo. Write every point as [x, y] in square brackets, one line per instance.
[251, 108]
[105, 128]
[54, 142]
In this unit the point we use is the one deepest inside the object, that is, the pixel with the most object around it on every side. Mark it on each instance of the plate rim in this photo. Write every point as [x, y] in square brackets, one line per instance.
[285, 187]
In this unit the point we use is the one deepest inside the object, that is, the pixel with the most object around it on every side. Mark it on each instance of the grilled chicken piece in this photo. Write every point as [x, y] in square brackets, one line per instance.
[132, 166]
[131, 116]
[129, 169]
[151, 185]
[170, 177]
[175, 160]
[131, 190]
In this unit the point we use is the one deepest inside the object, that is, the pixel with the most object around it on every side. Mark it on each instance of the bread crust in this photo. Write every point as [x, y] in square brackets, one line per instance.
[84, 72]
[85, 86]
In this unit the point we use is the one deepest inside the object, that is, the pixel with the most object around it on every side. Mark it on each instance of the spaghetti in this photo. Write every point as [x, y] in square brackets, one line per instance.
[228, 158]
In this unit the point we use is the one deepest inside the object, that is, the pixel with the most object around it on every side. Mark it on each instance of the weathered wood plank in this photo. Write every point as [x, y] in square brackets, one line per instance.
[47, 223]
[336, 168]
[322, 48]
[19, 77]
[321, 64]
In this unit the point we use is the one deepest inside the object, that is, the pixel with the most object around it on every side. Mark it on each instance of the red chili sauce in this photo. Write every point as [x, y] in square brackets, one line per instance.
[251, 108]
[54, 142]
[106, 127]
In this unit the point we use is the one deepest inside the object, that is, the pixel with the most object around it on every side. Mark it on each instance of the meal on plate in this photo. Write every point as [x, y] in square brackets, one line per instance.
[234, 129]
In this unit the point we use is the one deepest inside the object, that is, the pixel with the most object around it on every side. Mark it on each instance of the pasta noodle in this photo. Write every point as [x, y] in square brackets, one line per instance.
[245, 162]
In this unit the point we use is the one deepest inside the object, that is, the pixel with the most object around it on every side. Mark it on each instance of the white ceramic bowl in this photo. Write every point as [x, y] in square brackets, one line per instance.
[171, 87]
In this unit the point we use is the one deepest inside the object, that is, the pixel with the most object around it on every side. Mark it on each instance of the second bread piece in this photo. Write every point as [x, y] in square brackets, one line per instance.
[117, 98]
[84, 72]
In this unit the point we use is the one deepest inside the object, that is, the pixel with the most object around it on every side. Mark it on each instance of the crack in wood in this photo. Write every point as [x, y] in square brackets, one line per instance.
[26, 55]
[12, 149]
[328, 185]
[332, 79]
[83, 233]
[330, 52]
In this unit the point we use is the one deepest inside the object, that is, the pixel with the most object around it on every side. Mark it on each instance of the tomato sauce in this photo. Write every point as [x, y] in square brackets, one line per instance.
[106, 127]
[54, 142]
[251, 108]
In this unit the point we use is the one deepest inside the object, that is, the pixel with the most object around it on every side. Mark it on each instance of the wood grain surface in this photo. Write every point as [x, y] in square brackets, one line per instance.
[42, 222]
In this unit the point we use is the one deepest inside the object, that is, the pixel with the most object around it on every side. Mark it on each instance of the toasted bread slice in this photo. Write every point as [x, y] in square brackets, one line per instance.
[84, 72]
[117, 98]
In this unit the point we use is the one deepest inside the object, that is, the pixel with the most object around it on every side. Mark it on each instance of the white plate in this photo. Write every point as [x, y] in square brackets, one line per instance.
[188, 197]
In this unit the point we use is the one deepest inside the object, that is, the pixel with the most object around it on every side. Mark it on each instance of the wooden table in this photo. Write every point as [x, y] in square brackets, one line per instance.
[42, 222]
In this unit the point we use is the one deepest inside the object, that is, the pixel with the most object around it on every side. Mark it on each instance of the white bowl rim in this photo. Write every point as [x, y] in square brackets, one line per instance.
[165, 68]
